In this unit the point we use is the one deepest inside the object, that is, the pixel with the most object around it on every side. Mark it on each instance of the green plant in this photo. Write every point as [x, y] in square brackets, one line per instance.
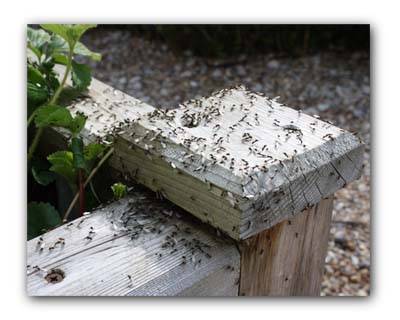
[52, 45]
[43, 86]
[119, 190]
[41, 217]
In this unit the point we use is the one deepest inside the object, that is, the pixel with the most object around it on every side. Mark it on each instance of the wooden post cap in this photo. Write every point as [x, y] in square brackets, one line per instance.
[237, 159]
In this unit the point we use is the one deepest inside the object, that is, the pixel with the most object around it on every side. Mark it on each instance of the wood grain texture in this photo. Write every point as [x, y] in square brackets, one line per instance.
[164, 253]
[288, 259]
[259, 160]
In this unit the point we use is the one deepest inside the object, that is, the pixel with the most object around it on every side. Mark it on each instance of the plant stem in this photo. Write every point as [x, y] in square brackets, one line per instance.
[31, 117]
[34, 144]
[72, 204]
[64, 80]
[94, 192]
[81, 193]
[36, 139]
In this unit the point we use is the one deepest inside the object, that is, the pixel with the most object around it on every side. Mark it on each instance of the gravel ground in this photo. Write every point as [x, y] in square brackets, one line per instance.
[334, 84]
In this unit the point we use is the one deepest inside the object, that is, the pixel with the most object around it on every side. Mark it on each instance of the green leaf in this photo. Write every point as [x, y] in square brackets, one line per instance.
[93, 150]
[71, 33]
[76, 31]
[41, 217]
[37, 40]
[37, 89]
[43, 177]
[41, 173]
[58, 48]
[37, 37]
[81, 75]
[60, 59]
[52, 115]
[82, 50]
[52, 81]
[36, 51]
[119, 190]
[68, 94]
[37, 93]
[62, 164]
[62, 31]
[77, 124]
[77, 150]
[35, 76]
[48, 73]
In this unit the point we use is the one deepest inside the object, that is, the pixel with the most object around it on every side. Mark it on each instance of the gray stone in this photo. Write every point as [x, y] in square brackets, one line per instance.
[273, 64]
[323, 107]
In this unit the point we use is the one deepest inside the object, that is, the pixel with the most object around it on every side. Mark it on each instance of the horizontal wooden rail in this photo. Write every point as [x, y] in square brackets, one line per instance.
[137, 246]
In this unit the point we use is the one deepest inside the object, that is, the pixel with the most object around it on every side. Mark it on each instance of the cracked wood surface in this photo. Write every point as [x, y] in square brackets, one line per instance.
[259, 160]
[138, 246]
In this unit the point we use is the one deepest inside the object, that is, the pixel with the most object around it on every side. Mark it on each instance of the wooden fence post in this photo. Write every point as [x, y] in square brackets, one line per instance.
[287, 259]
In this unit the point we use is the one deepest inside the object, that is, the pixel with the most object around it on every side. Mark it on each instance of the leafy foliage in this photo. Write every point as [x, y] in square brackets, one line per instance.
[66, 163]
[92, 152]
[51, 45]
[43, 77]
[37, 88]
[41, 217]
[41, 173]
[58, 48]
[82, 50]
[119, 190]
[37, 39]
[77, 151]
[52, 115]
[71, 33]
[62, 163]
[81, 75]
[35, 76]
[77, 124]
[57, 45]
[37, 93]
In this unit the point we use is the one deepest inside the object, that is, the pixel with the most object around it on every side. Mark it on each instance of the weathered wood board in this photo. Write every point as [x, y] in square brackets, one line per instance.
[137, 247]
[237, 159]
[287, 259]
